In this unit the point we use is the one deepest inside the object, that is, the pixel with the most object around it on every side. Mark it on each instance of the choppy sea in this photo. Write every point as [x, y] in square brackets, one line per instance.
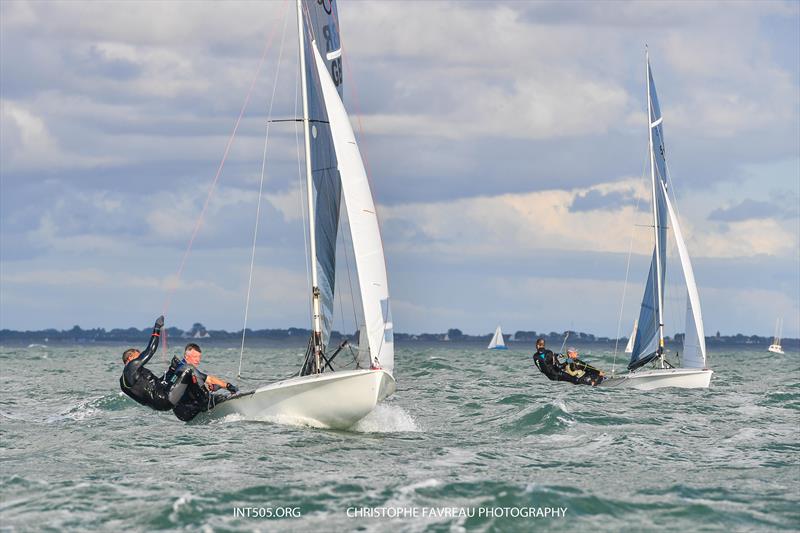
[472, 440]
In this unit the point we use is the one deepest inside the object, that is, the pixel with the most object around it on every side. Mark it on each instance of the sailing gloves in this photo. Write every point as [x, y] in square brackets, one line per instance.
[233, 389]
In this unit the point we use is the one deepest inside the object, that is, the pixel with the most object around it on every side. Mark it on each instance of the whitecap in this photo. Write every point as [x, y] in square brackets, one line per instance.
[386, 418]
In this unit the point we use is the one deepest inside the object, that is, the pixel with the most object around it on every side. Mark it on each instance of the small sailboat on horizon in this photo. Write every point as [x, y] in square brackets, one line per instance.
[648, 334]
[776, 347]
[497, 342]
[632, 338]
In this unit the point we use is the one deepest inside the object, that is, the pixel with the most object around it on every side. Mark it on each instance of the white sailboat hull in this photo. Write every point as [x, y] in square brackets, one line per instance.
[775, 348]
[684, 378]
[334, 400]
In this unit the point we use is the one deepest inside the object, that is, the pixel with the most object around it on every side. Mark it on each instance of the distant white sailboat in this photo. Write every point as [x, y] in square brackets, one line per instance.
[632, 338]
[322, 394]
[497, 342]
[776, 347]
[648, 337]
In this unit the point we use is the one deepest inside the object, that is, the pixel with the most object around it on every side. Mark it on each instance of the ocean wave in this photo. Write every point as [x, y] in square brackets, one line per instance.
[387, 418]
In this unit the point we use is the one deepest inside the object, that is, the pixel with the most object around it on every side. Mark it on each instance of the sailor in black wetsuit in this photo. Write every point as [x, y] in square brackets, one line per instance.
[197, 386]
[547, 362]
[141, 384]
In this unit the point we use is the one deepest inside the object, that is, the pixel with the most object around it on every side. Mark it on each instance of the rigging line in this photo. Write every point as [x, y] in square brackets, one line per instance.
[303, 192]
[260, 191]
[670, 289]
[199, 222]
[361, 136]
[354, 354]
[341, 313]
[627, 272]
[298, 120]
[341, 234]
[350, 281]
[338, 294]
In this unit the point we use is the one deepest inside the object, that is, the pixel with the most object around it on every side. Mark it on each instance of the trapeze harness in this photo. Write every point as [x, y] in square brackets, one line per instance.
[546, 362]
[143, 386]
[195, 397]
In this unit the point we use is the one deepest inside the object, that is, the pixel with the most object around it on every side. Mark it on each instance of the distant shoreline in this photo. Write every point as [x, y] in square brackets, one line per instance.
[198, 332]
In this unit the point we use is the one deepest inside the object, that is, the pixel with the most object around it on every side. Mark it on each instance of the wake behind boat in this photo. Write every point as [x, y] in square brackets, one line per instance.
[323, 394]
[648, 332]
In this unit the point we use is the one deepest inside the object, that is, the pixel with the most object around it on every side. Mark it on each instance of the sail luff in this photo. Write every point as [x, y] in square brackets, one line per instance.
[319, 21]
[694, 347]
[652, 122]
[364, 227]
[315, 320]
[649, 341]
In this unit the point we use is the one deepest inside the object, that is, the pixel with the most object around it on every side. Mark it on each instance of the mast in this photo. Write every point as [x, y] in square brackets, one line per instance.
[315, 320]
[659, 293]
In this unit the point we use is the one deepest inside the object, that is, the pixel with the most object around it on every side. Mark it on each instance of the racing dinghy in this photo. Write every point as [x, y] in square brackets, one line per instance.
[648, 368]
[324, 394]
[497, 342]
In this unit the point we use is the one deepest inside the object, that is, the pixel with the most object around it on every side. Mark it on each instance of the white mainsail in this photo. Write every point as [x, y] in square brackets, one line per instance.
[364, 228]
[646, 343]
[497, 342]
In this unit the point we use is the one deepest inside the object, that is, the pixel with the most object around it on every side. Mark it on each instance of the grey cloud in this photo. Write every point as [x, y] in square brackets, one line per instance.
[95, 62]
[154, 144]
[594, 200]
[754, 209]
[636, 14]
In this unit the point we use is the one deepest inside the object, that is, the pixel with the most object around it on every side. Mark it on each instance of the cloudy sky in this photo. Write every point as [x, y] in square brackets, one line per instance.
[505, 141]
